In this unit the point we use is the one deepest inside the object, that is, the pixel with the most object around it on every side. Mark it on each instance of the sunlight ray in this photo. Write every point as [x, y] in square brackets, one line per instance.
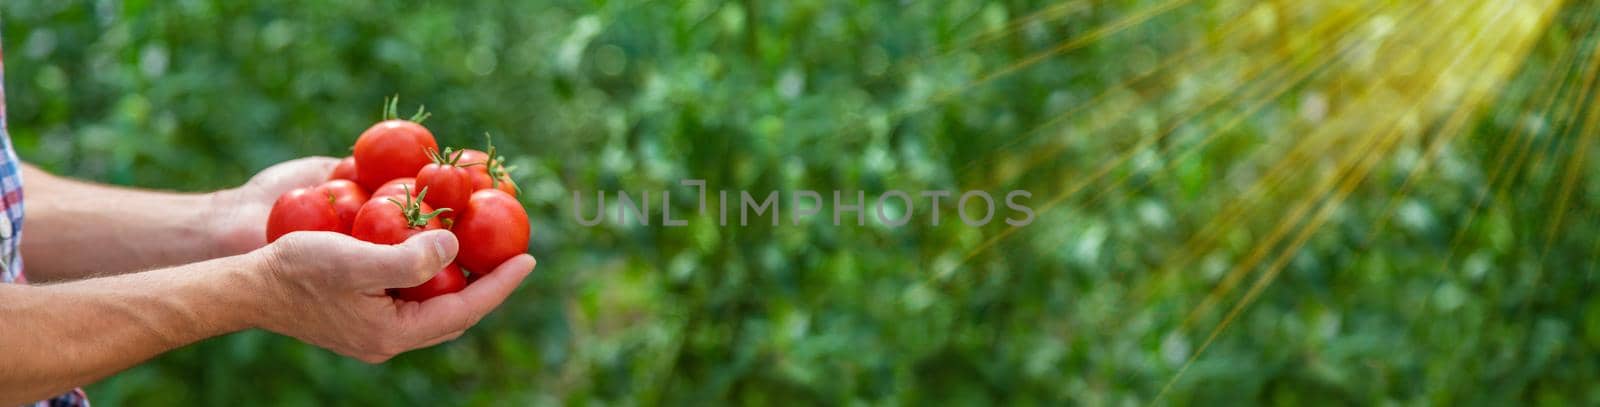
[1047, 13]
[1443, 138]
[1508, 160]
[1131, 20]
[1302, 153]
[1041, 156]
[1165, 64]
[1327, 209]
[1180, 58]
[1101, 171]
[1236, 274]
[1284, 226]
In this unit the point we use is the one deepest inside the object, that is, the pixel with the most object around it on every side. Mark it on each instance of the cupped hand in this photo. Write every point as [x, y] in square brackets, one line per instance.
[329, 291]
[240, 214]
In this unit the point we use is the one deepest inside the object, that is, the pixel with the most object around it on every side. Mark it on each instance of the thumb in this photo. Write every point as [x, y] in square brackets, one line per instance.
[415, 260]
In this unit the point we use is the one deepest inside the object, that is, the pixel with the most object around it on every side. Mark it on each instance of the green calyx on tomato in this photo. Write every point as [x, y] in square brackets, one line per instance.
[449, 157]
[392, 148]
[391, 111]
[411, 209]
[495, 164]
[449, 182]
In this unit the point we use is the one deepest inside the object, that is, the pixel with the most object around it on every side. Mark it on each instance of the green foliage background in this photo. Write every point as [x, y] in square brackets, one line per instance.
[1080, 307]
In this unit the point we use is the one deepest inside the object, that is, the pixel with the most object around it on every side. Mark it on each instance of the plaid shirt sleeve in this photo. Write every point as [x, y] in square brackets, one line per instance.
[11, 229]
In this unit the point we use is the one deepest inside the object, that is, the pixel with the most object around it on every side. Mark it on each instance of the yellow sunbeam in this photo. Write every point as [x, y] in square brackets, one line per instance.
[1279, 174]
[1507, 160]
[1594, 262]
[1346, 186]
[1178, 156]
[1261, 250]
[1541, 158]
[1163, 65]
[1122, 158]
[1447, 134]
[1047, 13]
[1573, 166]
[1038, 157]
[1565, 64]
[1067, 45]
[1232, 279]
[1568, 181]
[1587, 119]
[1501, 173]
[1326, 210]
[1236, 274]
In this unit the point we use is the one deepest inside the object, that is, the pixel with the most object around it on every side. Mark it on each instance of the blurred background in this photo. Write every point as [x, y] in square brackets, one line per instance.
[1274, 202]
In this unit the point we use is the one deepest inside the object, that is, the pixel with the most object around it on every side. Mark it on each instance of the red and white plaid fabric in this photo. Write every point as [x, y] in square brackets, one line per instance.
[11, 228]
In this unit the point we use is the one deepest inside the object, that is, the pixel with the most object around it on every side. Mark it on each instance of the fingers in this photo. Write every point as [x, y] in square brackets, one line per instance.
[303, 172]
[314, 164]
[447, 315]
[441, 339]
[409, 263]
[311, 171]
[323, 160]
[372, 327]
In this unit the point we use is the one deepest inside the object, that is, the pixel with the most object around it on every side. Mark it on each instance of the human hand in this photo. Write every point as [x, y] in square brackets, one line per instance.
[240, 214]
[327, 290]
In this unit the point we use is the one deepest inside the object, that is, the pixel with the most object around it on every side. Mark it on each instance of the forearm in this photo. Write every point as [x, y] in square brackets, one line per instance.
[60, 336]
[77, 230]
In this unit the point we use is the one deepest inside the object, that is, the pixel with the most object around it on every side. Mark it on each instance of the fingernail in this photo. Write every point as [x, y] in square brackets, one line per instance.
[438, 246]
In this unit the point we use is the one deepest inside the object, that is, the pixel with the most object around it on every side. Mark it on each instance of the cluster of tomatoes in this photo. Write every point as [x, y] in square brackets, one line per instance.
[414, 187]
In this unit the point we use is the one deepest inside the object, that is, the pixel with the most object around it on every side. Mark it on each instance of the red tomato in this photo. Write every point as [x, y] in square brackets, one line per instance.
[448, 185]
[303, 209]
[482, 181]
[391, 149]
[345, 170]
[392, 219]
[506, 185]
[347, 198]
[478, 163]
[492, 229]
[488, 169]
[475, 160]
[447, 281]
[397, 187]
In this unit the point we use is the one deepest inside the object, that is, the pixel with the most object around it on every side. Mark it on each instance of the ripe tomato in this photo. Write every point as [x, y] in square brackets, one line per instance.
[347, 198]
[491, 229]
[448, 184]
[392, 219]
[504, 184]
[447, 281]
[345, 170]
[475, 160]
[481, 180]
[397, 187]
[303, 209]
[488, 169]
[391, 149]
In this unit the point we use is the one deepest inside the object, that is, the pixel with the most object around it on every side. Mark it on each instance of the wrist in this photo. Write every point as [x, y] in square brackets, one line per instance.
[260, 277]
[227, 219]
[215, 297]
